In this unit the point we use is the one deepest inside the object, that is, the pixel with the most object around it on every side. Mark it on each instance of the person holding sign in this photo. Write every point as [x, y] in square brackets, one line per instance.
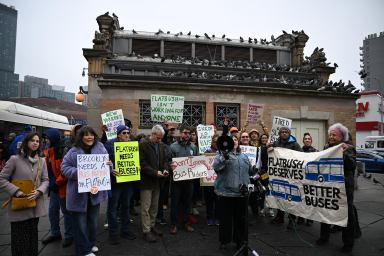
[285, 140]
[121, 193]
[25, 166]
[84, 207]
[154, 167]
[231, 186]
[337, 134]
[182, 191]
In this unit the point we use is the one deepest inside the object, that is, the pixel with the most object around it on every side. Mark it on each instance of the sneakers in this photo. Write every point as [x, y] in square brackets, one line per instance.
[149, 237]
[94, 249]
[90, 254]
[188, 228]
[271, 213]
[195, 212]
[173, 230]
[262, 213]
[50, 239]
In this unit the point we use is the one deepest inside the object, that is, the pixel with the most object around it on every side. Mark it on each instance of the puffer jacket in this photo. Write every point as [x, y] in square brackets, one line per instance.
[291, 143]
[231, 173]
[78, 202]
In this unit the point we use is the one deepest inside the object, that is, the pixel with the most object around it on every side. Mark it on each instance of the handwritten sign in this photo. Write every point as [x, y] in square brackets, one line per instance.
[167, 108]
[127, 161]
[188, 168]
[204, 135]
[211, 177]
[254, 113]
[277, 123]
[112, 119]
[93, 173]
[250, 152]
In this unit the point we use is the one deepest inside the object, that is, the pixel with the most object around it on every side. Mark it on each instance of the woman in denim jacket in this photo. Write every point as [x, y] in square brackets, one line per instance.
[233, 171]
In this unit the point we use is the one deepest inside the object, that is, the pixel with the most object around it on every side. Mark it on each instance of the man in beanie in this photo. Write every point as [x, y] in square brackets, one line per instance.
[57, 189]
[15, 145]
[285, 140]
[338, 134]
[121, 194]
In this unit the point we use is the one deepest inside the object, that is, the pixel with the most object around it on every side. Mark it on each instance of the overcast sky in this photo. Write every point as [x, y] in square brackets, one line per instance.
[52, 33]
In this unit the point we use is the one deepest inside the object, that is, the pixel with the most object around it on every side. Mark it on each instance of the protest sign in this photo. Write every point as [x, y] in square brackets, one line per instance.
[188, 168]
[250, 152]
[277, 123]
[254, 113]
[127, 161]
[167, 108]
[211, 177]
[93, 173]
[309, 185]
[204, 137]
[112, 119]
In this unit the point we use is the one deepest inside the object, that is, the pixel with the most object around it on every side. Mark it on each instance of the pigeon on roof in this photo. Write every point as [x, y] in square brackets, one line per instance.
[207, 36]
[168, 32]
[241, 39]
[159, 32]
[229, 39]
[133, 31]
[249, 40]
[189, 33]
[223, 36]
[197, 36]
[335, 65]
[284, 32]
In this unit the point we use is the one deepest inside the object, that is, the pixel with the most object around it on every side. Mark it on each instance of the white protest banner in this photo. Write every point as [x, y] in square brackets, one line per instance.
[112, 119]
[277, 123]
[188, 168]
[167, 108]
[211, 177]
[250, 152]
[309, 185]
[254, 113]
[204, 137]
[93, 173]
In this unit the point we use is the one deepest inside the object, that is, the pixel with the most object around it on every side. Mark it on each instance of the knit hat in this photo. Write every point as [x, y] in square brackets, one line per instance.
[121, 128]
[285, 128]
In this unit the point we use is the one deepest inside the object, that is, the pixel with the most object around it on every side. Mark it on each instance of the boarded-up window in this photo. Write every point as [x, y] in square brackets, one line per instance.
[145, 47]
[177, 49]
[237, 53]
[206, 51]
[262, 55]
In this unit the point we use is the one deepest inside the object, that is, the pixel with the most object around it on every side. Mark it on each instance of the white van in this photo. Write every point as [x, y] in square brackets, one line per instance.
[374, 143]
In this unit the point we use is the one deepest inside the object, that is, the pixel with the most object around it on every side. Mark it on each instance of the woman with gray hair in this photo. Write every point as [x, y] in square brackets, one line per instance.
[337, 134]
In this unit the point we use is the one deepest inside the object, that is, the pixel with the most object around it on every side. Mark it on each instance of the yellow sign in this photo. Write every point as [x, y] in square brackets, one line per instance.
[127, 161]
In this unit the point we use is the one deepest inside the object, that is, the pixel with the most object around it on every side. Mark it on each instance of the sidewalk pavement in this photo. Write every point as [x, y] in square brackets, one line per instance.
[265, 238]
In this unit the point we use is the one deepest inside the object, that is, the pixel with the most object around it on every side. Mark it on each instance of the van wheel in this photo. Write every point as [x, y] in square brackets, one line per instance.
[320, 179]
[289, 198]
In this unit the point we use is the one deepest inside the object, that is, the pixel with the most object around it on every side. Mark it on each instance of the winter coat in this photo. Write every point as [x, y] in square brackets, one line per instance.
[309, 149]
[150, 163]
[231, 173]
[20, 168]
[78, 202]
[289, 144]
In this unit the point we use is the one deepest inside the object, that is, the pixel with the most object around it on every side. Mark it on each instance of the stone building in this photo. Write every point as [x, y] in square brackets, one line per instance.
[218, 76]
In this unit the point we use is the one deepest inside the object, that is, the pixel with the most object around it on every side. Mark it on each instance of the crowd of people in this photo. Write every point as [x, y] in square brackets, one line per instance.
[50, 161]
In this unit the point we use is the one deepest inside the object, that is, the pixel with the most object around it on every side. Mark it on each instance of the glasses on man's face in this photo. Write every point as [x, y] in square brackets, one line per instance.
[124, 133]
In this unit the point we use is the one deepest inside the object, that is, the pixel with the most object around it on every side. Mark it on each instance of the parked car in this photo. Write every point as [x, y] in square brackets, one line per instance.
[374, 161]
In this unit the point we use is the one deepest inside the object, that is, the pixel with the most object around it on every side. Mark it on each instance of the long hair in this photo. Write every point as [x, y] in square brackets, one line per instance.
[85, 130]
[24, 150]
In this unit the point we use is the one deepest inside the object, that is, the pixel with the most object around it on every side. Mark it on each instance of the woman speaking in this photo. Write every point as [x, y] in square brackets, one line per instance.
[233, 170]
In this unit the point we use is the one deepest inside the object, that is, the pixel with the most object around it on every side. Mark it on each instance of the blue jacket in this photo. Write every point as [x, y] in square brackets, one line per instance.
[78, 202]
[231, 173]
[13, 148]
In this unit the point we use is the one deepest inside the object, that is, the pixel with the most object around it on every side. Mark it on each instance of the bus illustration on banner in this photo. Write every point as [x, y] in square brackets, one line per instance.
[283, 189]
[325, 170]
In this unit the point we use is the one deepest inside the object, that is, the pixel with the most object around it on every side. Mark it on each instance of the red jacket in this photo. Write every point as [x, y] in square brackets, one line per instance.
[61, 181]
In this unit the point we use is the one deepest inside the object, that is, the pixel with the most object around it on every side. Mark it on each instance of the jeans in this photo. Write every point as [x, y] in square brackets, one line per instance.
[85, 228]
[121, 193]
[55, 204]
[181, 199]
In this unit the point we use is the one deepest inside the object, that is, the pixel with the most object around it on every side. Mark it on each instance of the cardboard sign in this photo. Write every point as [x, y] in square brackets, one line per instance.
[93, 173]
[309, 185]
[254, 113]
[250, 152]
[211, 177]
[112, 119]
[277, 123]
[127, 161]
[204, 135]
[167, 108]
[188, 168]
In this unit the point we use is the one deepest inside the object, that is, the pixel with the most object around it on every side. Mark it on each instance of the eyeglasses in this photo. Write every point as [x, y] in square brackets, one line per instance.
[124, 133]
[244, 136]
